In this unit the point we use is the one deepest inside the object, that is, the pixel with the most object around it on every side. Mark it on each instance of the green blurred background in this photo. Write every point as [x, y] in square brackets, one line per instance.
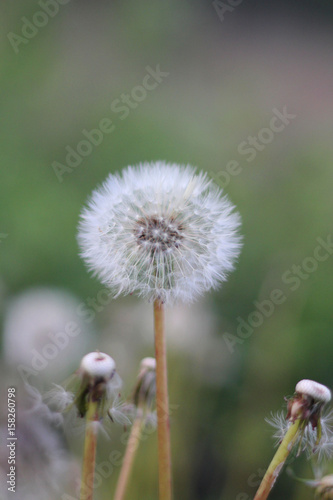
[225, 79]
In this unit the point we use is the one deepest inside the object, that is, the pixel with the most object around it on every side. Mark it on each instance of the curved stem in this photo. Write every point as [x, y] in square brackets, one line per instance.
[278, 461]
[162, 403]
[126, 469]
[89, 456]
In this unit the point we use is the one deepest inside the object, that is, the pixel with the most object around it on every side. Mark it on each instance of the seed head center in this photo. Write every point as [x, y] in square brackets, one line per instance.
[158, 234]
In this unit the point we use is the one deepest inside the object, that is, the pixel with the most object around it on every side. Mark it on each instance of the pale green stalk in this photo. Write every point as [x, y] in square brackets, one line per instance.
[278, 461]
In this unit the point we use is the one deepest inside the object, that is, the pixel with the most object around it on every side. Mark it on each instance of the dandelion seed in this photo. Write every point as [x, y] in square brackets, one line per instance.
[58, 398]
[161, 231]
[308, 442]
[120, 413]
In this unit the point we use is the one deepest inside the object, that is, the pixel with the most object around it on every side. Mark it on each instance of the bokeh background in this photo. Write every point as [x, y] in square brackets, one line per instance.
[225, 72]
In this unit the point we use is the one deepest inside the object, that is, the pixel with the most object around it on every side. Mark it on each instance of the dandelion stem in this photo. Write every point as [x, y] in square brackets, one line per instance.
[162, 404]
[132, 446]
[89, 457]
[278, 461]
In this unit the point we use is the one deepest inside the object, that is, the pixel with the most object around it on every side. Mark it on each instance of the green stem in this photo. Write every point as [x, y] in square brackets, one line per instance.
[162, 404]
[89, 456]
[278, 461]
[132, 446]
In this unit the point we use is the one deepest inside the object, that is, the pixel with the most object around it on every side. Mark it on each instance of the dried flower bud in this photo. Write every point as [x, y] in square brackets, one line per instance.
[98, 381]
[306, 405]
[307, 402]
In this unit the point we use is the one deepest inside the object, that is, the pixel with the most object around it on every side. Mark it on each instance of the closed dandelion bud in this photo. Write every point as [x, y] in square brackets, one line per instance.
[99, 380]
[142, 400]
[145, 390]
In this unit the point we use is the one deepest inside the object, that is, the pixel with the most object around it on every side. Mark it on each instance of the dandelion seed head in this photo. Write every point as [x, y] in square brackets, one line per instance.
[58, 398]
[160, 230]
[280, 425]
